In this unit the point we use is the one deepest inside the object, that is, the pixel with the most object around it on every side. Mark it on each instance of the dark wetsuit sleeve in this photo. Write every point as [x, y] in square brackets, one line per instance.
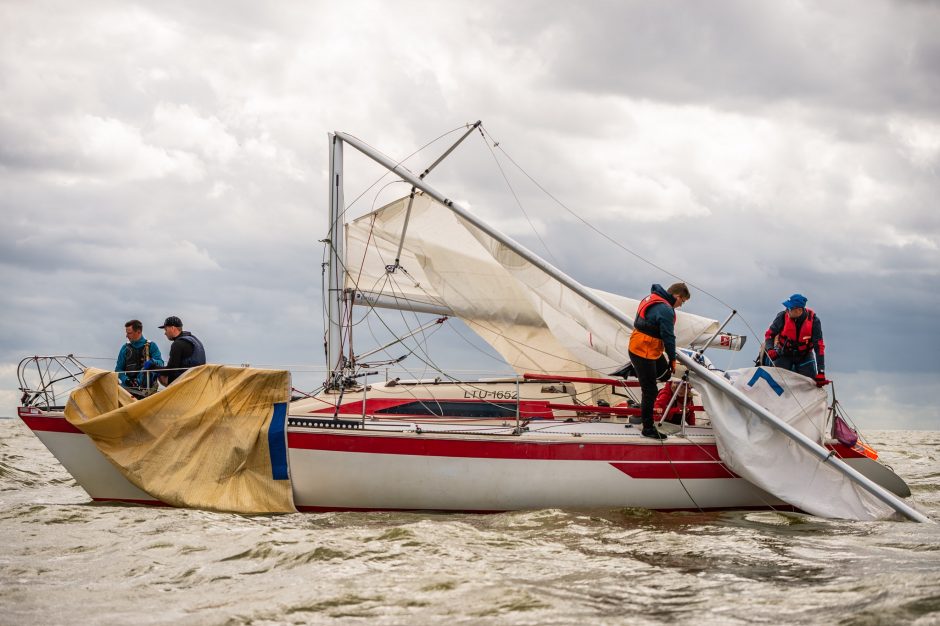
[818, 344]
[667, 332]
[178, 353]
[776, 327]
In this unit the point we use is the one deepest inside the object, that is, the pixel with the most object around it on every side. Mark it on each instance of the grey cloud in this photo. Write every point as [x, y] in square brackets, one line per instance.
[802, 130]
[743, 54]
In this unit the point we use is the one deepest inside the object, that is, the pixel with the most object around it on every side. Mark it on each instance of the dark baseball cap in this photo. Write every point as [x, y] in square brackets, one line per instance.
[172, 321]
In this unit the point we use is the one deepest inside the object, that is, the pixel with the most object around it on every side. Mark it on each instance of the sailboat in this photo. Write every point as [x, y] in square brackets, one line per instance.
[554, 435]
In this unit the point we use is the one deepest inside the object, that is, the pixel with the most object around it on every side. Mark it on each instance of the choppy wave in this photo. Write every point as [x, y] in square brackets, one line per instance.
[64, 560]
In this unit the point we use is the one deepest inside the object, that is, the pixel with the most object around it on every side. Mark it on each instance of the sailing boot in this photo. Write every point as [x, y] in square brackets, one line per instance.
[649, 430]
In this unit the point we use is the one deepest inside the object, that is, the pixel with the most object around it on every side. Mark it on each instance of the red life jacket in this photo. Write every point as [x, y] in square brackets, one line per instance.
[649, 301]
[662, 400]
[642, 341]
[797, 340]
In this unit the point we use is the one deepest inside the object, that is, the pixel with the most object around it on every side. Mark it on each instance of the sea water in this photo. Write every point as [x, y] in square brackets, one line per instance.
[65, 560]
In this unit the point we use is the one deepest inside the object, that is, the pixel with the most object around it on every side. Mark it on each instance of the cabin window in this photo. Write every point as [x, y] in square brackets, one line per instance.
[453, 409]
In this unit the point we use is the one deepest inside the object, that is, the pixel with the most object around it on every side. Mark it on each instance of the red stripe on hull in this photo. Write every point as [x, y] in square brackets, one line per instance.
[426, 445]
[674, 471]
[49, 424]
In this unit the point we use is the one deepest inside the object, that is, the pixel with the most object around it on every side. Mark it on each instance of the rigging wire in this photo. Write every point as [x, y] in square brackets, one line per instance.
[516, 198]
[497, 144]
[349, 205]
[426, 359]
[432, 298]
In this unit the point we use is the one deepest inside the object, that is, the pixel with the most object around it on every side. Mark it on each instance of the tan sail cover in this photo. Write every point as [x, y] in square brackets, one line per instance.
[533, 321]
[203, 442]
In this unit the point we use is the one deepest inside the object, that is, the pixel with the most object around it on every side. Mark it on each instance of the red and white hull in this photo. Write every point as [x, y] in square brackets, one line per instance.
[456, 467]
[459, 472]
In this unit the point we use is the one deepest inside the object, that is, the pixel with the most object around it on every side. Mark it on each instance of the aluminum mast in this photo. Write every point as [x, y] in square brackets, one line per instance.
[335, 298]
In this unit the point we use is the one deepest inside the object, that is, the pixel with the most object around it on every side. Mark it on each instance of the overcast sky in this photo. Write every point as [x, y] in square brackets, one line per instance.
[170, 159]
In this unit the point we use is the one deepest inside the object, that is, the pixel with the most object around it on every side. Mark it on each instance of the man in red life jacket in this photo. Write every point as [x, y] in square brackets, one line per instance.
[794, 340]
[653, 336]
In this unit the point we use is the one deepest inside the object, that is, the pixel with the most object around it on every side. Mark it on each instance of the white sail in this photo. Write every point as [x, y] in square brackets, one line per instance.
[533, 321]
[768, 458]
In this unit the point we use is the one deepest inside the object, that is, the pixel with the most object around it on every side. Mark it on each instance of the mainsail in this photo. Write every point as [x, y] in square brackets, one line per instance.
[533, 321]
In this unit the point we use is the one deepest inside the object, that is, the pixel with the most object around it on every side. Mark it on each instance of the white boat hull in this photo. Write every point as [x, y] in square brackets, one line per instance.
[340, 480]
[395, 470]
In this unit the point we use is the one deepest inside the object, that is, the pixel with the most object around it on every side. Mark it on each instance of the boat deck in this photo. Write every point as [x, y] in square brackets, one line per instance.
[533, 430]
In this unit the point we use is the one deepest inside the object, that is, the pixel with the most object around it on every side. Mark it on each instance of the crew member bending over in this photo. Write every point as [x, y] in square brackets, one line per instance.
[794, 340]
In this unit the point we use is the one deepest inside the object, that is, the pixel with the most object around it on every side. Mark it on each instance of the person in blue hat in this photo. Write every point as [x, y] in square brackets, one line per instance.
[794, 340]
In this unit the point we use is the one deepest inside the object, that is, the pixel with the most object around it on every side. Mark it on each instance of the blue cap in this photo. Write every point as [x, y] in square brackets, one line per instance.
[796, 301]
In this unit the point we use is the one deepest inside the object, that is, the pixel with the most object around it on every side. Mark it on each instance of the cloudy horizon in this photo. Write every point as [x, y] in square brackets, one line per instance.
[172, 159]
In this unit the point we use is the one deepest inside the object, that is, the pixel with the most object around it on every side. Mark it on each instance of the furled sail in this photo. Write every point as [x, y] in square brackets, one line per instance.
[533, 321]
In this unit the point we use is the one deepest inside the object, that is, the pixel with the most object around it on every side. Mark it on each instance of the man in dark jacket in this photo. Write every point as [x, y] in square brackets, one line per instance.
[653, 336]
[186, 351]
[794, 340]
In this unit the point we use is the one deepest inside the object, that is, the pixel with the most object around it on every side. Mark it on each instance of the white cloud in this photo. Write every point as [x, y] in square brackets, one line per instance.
[180, 127]
[113, 149]
[919, 140]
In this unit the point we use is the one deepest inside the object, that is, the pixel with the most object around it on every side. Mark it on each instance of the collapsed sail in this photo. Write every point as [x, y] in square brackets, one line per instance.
[531, 319]
[753, 449]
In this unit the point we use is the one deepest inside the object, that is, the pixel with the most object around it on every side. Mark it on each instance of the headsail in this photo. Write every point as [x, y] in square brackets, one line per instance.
[755, 450]
[533, 321]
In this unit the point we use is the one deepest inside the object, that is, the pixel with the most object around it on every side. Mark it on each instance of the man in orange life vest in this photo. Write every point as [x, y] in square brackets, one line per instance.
[654, 334]
[794, 340]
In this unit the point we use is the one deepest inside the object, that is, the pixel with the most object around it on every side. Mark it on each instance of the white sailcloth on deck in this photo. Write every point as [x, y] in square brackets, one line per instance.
[535, 323]
[763, 455]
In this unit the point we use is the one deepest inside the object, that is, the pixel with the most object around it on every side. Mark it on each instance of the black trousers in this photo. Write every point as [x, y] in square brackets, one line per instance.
[648, 372]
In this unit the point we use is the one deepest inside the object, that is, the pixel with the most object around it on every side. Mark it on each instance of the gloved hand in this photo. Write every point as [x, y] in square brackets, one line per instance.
[772, 354]
[672, 366]
[148, 364]
[821, 379]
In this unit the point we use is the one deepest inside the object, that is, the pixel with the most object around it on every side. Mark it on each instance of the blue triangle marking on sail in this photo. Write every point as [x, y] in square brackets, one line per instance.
[761, 373]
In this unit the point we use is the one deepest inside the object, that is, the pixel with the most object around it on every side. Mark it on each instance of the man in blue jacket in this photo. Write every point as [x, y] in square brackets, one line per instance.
[653, 336]
[135, 360]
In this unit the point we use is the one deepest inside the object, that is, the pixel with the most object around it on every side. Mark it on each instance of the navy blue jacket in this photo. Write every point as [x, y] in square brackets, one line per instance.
[186, 351]
[660, 321]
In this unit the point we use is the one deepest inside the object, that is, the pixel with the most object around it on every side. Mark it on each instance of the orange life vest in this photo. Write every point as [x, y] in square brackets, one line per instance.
[641, 342]
[795, 340]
